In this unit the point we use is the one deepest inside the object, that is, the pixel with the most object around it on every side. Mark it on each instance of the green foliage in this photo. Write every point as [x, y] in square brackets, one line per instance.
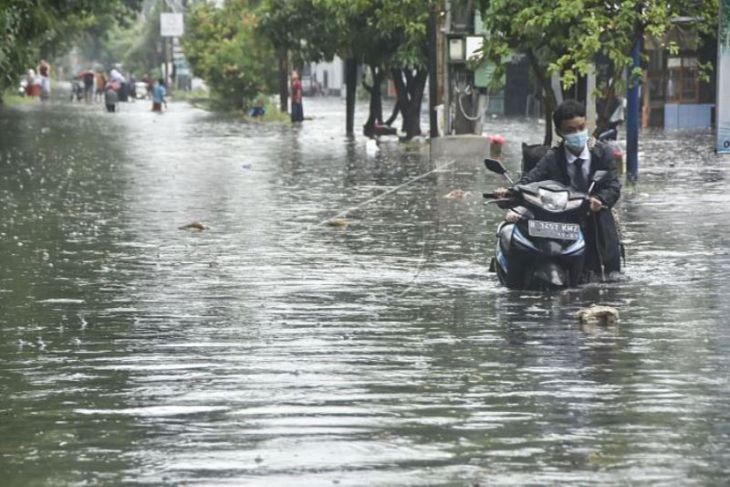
[299, 27]
[384, 33]
[32, 29]
[140, 50]
[567, 36]
[223, 48]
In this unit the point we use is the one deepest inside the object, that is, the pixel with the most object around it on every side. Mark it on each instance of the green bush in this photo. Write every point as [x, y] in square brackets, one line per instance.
[222, 47]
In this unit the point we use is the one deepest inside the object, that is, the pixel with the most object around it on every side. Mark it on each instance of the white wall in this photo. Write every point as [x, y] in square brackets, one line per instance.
[335, 79]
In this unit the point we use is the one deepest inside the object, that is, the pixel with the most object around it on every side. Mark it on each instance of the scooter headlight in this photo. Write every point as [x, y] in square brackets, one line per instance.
[553, 200]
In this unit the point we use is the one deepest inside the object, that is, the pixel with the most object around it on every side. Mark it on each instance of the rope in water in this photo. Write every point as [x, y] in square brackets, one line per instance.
[367, 202]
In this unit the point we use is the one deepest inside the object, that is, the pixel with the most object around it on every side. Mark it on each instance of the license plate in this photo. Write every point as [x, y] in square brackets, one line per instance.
[561, 231]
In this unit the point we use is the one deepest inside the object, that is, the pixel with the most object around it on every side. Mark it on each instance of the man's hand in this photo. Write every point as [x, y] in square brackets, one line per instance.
[596, 204]
[512, 216]
[502, 192]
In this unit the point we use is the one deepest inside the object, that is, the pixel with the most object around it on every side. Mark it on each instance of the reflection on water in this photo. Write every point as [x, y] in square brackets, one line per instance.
[266, 350]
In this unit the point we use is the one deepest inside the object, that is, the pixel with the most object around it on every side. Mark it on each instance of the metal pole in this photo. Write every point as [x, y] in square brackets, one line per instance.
[432, 72]
[447, 68]
[167, 54]
[632, 119]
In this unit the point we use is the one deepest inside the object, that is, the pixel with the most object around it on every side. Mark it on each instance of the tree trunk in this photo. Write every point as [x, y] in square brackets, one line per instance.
[606, 111]
[401, 97]
[283, 81]
[394, 114]
[410, 95]
[376, 102]
[550, 106]
[549, 99]
[396, 108]
[351, 82]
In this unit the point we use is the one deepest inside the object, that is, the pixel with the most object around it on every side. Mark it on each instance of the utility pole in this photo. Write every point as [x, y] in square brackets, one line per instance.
[351, 86]
[166, 47]
[447, 82]
[632, 118]
[433, 70]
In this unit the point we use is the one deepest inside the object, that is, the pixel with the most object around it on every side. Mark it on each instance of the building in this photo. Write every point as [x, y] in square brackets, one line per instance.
[324, 78]
[673, 94]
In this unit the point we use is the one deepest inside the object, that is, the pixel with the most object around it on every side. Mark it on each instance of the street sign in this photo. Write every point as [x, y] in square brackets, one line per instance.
[171, 25]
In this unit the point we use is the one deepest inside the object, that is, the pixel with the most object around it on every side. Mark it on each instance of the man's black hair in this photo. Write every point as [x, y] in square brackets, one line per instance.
[161, 81]
[567, 110]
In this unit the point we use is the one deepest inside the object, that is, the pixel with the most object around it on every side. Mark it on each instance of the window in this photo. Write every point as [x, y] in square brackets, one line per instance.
[682, 80]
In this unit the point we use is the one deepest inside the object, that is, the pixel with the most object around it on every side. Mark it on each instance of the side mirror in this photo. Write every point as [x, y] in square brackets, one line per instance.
[609, 134]
[599, 176]
[495, 166]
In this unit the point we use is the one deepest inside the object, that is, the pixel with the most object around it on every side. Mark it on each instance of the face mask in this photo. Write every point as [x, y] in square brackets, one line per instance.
[576, 141]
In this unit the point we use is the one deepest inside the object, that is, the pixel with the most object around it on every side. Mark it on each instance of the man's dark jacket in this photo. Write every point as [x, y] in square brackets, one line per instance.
[555, 166]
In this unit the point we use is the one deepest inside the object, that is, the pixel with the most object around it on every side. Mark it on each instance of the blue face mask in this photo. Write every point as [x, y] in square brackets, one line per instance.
[577, 141]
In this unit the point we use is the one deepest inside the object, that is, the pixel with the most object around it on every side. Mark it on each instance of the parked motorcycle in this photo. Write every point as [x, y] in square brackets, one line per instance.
[545, 248]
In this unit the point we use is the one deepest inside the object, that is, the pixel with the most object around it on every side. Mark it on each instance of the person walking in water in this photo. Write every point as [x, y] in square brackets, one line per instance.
[158, 96]
[297, 111]
[111, 97]
[44, 70]
[100, 81]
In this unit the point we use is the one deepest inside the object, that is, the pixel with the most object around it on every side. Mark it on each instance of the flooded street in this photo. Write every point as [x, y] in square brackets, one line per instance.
[270, 349]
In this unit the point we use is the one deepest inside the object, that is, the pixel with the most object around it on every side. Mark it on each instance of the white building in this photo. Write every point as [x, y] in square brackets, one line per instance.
[325, 78]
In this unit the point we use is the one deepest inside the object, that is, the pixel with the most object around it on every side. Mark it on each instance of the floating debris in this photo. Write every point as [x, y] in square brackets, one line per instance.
[372, 148]
[598, 315]
[338, 222]
[457, 194]
[194, 226]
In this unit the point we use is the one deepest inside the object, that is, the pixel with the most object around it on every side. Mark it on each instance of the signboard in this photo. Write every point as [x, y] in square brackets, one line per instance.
[723, 80]
[171, 25]
[474, 46]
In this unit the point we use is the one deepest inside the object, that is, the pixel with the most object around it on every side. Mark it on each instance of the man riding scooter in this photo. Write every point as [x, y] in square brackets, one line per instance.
[573, 163]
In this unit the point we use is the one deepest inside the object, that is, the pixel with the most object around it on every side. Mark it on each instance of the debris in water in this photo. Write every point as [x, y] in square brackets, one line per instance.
[195, 226]
[457, 194]
[598, 315]
[338, 222]
[372, 148]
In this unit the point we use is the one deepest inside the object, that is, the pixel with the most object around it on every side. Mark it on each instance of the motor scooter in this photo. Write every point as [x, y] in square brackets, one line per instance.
[545, 248]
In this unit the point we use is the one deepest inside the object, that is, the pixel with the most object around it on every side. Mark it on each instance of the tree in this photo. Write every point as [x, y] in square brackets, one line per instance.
[222, 47]
[32, 29]
[407, 23]
[567, 36]
[388, 36]
[137, 46]
[537, 28]
[296, 28]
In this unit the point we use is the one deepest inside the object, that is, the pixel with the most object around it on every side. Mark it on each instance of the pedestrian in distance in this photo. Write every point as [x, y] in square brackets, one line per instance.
[33, 84]
[88, 78]
[44, 71]
[100, 82]
[111, 96]
[297, 111]
[573, 163]
[158, 96]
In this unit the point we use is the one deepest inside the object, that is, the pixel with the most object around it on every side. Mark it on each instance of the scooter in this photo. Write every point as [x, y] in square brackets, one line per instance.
[545, 248]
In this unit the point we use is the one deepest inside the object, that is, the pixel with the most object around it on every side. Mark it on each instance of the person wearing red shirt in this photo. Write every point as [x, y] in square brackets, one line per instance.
[297, 111]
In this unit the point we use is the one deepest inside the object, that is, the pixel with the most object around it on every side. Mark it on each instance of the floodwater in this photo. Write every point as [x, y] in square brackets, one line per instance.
[271, 349]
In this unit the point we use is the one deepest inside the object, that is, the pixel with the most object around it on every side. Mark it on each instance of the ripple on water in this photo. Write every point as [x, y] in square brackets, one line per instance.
[264, 350]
